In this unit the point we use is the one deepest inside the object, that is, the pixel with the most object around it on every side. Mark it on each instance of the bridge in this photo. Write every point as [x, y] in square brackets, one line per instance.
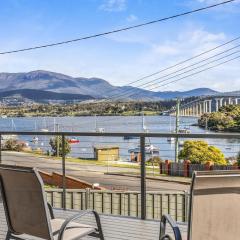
[206, 104]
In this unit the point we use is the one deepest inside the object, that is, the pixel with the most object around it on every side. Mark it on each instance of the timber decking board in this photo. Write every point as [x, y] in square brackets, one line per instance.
[114, 228]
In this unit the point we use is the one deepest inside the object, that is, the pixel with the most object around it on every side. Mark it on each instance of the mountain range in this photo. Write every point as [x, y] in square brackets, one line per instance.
[39, 85]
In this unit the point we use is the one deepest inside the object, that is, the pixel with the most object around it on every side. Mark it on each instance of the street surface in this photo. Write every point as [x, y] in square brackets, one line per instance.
[90, 173]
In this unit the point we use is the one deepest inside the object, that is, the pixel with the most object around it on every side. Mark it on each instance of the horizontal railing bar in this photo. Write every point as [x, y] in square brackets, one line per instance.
[162, 192]
[122, 134]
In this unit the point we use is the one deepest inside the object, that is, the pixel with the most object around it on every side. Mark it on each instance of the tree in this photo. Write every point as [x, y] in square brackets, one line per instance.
[14, 145]
[56, 145]
[226, 119]
[200, 152]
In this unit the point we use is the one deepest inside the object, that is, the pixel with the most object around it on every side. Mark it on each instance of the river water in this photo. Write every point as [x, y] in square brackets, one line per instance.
[160, 124]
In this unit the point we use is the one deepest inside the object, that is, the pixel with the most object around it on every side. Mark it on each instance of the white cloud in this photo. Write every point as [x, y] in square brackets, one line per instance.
[166, 49]
[114, 5]
[133, 56]
[132, 18]
[188, 44]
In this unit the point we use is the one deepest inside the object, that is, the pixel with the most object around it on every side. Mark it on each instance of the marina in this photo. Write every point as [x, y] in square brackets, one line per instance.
[83, 147]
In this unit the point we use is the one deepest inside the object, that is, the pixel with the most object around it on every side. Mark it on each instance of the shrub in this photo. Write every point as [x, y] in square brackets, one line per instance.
[154, 161]
[14, 145]
[201, 152]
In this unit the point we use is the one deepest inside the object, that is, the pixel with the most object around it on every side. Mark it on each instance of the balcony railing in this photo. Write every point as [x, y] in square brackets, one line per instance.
[143, 203]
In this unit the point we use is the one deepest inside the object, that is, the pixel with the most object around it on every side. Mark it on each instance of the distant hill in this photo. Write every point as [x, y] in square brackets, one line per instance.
[235, 93]
[41, 96]
[83, 87]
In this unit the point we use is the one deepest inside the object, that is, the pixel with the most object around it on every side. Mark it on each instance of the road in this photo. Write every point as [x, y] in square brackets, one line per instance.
[90, 173]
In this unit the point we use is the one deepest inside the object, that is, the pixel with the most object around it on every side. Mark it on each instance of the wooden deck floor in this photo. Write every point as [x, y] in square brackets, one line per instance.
[114, 228]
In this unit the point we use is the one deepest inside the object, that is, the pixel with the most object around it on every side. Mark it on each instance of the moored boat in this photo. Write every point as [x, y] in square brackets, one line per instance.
[73, 140]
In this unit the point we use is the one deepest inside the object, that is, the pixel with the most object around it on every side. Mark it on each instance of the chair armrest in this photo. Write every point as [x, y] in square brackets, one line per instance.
[168, 219]
[50, 210]
[77, 216]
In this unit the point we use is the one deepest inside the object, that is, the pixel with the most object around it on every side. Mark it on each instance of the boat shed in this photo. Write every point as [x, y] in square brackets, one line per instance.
[106, 153]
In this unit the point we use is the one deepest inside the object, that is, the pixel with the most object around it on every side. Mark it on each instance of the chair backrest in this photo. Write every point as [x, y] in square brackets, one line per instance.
[215, 205]
[25, 202]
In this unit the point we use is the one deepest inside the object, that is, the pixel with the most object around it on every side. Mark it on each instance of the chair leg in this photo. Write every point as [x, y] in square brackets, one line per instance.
[97, 234]
[101, 237]
[99, 226]
[8, 236]
[166, 237]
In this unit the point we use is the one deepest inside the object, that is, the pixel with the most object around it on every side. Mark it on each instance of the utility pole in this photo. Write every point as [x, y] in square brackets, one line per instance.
[177, 129]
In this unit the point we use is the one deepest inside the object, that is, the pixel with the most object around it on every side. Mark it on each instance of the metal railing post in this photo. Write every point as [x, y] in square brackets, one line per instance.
[87, 198]
[186, 205]
[63, 172]
[0, 148]
[143, 178]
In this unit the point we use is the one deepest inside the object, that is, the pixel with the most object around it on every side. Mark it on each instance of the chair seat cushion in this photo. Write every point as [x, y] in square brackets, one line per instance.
[74, 230]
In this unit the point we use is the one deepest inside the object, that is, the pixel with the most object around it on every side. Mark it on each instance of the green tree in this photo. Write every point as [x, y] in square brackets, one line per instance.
[200, 152]
[56, 145]
[226, 119]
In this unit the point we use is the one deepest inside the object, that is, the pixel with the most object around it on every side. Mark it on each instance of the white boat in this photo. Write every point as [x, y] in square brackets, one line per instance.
[98, 129]
[184, 130]
[149, 149]
[44, 130]
[171, 139]
[181, 143]
[130, 137]
[35, 140]
[144, 127]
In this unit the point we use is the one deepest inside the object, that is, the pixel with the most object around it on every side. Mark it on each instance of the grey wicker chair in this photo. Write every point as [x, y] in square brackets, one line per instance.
[214, 208]
[27, 211]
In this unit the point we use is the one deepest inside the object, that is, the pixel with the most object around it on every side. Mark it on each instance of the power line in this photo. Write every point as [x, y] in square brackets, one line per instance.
[117, 30]
[184, 61]
[154, 81]
[129, 91]
[206, 69]
[203, 70]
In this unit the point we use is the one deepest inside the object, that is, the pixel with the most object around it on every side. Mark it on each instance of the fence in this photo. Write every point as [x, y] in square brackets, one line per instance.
[123, 203]
[144, 203]
[186, 169]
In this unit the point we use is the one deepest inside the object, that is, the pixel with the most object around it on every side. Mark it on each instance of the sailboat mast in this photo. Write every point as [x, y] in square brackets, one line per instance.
[95, 122]
[54, 124]
[170, 120]
[143, 122]
[13, 125]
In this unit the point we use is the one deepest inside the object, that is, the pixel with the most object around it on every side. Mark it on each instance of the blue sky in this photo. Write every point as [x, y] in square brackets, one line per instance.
[123, 57]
